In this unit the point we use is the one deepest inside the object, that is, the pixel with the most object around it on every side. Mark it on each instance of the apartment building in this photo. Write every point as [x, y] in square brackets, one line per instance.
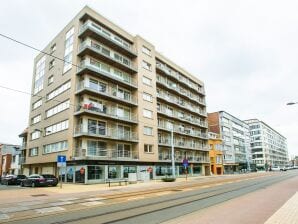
[215, 153]
[268, 147]
[111, 106]
[236, 140]
[9, 159]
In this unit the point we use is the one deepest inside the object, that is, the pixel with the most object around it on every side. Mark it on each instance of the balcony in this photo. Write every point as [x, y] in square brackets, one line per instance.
[106, 111]
[181, 91]
[99, 70]
[105, 133]
[89, 47]
[178, 77]
[184, 131]
[105, 154]
[107, 92]
[180, 103]
[179, 158]
[188, 119]
[91, 29]
[182, 145]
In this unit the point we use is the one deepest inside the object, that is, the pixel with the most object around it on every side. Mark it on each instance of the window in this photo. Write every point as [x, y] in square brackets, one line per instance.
[68, 50]
[148, 148]
[37, 104]
[53, 48]
[55, 147]
[35, 134]
[148, 130]
[146, 65]
[36, 119]
[147, 81]
[58, 91]
[51, 64]
[33, 151]
[147, 113]
[63, 125]
[96, 148]
[60, 107]
[50, 80]
[39, 75]
[146, 50]
[147, 97]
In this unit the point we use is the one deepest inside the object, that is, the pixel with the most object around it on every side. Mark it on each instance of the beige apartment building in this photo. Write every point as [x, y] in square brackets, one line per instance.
[111, 110]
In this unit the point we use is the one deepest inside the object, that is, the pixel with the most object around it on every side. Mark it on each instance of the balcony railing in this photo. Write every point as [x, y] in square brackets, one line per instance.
[180, 103]
[181, 144]
[106, 54]
[107, 91]
[179, 77]
[105, 71]
[106, 154]
[106, 111]
[179, 158]
[106, 35]
[185, 131]
[103, 132]
[181, 91]
[183, 118]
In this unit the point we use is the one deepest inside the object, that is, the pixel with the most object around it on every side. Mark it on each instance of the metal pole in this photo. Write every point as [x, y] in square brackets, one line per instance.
[173, 155]
[60, 177]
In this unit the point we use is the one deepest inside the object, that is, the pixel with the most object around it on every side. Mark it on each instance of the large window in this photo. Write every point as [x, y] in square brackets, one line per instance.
[147, 113]
[59, 90]
[37, 104]
[33, 151]
[36, 119]
[68, 50]
[96, 127]
[148, 130]
[96, 148]
[147, 81]
[55, 147]
[95, 172]
[60, 107]
[63, 125]
[39, 75]
[35, 134]
[147, 97]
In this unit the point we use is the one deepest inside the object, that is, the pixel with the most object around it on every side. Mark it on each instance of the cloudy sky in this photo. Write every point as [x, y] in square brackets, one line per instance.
[246, 52]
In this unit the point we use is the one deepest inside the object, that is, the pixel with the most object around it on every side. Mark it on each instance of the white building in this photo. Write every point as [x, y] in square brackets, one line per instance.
[269, 148]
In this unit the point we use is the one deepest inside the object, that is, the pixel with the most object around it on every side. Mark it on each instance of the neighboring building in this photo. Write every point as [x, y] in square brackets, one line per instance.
[269, 147]
[215, 153]
[235, 135]
[24, 136]
[111, 110]
[9, 159]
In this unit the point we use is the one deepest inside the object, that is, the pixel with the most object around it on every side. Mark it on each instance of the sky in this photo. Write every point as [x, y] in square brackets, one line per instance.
[244, 51]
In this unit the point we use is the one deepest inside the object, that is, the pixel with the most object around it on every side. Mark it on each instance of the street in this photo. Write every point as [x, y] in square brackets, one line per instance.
[153, 202]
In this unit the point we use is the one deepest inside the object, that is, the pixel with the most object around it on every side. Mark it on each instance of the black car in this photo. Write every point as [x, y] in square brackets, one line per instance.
[12, 179]
[36, 180]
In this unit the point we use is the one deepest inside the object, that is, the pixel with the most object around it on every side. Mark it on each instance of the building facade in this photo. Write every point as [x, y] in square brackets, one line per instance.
[215, 153]
[111, 106]
[269, 148]
[9, 159]
[235, 135]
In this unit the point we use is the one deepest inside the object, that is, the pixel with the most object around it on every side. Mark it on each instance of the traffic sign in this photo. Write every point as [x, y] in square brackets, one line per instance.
[61, 161]
[185, 163]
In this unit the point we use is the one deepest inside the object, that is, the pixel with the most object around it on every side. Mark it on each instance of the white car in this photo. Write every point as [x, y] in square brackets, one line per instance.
[275, 168]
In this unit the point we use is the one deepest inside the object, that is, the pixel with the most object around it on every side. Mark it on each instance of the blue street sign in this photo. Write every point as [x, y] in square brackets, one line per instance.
[61, 161]
[185, 163]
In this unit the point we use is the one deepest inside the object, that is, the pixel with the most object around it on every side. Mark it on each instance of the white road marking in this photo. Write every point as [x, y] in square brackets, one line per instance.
[92, 203]
[163, 193]
[48, 210]
[94, 199]
[135, 198]
[13, 209]
[68, 199]
[4, 217]
[60, 203]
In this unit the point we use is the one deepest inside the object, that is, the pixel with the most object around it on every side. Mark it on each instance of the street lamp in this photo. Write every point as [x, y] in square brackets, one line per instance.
[292, 103]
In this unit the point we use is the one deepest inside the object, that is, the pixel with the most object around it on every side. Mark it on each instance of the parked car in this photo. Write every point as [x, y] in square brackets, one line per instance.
[36, 180]
[283, 169]
[12, 179]
[275, 168]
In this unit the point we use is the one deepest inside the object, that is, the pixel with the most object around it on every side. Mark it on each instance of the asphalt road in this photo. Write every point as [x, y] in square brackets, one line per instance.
[157, 208]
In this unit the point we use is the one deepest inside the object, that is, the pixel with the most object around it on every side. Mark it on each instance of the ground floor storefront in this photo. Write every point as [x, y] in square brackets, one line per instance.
[88, 171]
